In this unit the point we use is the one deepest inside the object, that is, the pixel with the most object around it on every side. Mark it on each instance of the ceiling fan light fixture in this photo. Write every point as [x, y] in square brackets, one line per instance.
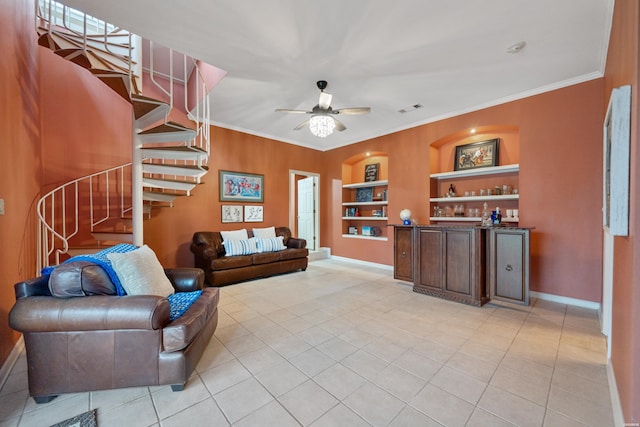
[322, 125]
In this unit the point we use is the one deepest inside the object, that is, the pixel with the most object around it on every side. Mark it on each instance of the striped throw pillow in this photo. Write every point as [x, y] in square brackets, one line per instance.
[240, 247]
[272, 244]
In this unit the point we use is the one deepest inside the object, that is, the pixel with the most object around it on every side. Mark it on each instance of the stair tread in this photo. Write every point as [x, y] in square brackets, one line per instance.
[180, 148]
[190, 167]
[172, 180]
[143, 105]
[167, 127]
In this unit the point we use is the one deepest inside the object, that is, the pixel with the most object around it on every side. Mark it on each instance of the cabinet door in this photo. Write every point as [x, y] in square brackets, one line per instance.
[430, 259]
[459, 262]
[403, 253]
[509, 269]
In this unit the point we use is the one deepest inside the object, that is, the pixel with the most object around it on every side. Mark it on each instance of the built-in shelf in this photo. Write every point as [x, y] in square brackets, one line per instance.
[492, 170]
[475, 198]
[466, 219]
[359, 236]
[376, 203]
[367, 184]
[366, 218]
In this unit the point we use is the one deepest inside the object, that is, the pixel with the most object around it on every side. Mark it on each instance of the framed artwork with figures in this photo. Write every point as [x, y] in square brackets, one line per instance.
[253, 213]
[476, 155]
[231, 213]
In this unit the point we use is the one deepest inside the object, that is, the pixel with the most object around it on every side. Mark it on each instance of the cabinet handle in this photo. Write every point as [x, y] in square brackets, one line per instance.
[404, 254]
[508, 267]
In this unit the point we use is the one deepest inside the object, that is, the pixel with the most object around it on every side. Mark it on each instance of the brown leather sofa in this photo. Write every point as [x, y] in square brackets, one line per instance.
[92, 339]
[220, 269]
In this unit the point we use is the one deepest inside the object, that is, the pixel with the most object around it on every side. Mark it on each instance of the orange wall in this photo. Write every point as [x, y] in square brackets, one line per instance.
[169, 232]
[20, 176]
[622, 69]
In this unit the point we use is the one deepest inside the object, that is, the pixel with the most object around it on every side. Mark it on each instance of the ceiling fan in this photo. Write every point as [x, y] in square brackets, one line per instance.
[323, 121]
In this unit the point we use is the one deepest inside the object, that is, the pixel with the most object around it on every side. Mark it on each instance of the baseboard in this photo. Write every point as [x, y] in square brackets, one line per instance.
[367, 263]
[566, 300]
[616, 405]
[5, 371]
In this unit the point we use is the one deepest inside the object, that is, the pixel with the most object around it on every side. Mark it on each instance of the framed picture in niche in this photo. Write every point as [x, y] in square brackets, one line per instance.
[371, 172]
[364, 194]
[476, 155]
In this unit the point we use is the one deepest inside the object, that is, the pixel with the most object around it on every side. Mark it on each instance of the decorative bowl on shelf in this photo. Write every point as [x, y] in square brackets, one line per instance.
[405, 216]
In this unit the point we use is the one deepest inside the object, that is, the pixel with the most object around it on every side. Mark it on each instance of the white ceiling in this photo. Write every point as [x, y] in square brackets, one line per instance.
[448, 55]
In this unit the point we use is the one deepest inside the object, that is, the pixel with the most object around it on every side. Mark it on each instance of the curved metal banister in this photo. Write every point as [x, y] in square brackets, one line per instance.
[55, 229]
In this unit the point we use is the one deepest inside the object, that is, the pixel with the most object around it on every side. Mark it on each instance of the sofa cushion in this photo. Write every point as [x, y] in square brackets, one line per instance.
[240, 247]
[264, 233]
[179, 333]
[227, 262]
[293, 253]
[266, 258]
[270, 244]
[80, 278]
[141, 273]
[235, 234]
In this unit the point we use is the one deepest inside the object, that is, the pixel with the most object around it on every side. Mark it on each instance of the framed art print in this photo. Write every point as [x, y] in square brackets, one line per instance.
[241, 187]
[253, 213]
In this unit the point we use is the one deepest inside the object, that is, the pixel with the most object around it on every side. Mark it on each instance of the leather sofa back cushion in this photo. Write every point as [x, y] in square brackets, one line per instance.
[80, 278]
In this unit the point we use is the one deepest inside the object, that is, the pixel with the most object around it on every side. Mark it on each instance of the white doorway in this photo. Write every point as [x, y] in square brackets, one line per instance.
[304, 207]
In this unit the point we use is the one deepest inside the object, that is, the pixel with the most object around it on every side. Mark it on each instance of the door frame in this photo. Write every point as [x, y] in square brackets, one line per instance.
[293, 197]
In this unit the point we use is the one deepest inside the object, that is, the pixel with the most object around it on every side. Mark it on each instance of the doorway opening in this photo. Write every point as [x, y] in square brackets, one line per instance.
[304, 207]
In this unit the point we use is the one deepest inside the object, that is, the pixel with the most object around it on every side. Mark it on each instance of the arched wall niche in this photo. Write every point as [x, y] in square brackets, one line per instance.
[353, 167]
[442, 151]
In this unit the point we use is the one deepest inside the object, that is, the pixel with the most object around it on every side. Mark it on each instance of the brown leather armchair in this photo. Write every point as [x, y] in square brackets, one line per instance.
[91, 339]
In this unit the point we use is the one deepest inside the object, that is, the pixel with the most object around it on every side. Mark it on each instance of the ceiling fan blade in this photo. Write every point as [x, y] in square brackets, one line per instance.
[353, 110]
[286, 110]
[301, 125]
[339, 125]
[325, 100]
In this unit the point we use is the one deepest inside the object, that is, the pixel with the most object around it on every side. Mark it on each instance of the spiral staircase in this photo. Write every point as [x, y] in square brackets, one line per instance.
[169, 158]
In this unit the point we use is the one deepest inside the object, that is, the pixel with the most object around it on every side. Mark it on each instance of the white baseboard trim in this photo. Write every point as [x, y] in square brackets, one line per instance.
[5, 371]
[367, 263]
[616, 405]
[566, 300]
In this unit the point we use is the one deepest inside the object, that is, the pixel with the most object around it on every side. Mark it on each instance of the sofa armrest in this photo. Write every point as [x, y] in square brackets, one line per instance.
[185, 279]
[90, 313]
[296, 243]
[38, 286]
[206, 245]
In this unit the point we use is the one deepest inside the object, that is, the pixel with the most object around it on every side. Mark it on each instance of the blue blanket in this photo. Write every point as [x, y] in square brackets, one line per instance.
[179, 302]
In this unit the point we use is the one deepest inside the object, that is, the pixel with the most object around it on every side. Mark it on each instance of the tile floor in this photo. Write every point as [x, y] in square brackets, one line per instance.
[346, 345]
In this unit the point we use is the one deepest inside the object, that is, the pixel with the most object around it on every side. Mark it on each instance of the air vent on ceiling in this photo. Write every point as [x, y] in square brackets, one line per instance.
[409, 109]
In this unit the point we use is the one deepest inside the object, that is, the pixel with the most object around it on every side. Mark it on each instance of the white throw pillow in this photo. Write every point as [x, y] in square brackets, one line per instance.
[240, 247]
[141, 273]
[273, 244]
[264, 233]
[235, 235]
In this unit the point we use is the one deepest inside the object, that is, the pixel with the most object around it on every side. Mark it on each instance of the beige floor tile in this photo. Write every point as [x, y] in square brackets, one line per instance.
[442, 406]
[260, 360]
[434, 351]
[107, 399]
[477, 368]
[337, 348]
[409, 417]
[290, 346]
[243, 345]
[308, 402]
[400, 383]
[68, 407]
[556, 419]
[315, 335]
[375, 405]
[512, 408]
[12, 405]
[312, 362]
[340, 415]
[139, 411]
[482, 418]
[167, 402]
[271, 414]
[339, 381]
[231, 332]
[578, 408]
[418, 365]
[203, 414]
[213, 356]
[365, 364]
[385, 350]
[481, 351]
[242, 399]
[281, 378]
[459, 384]
[357, 337]
[224, 376]
[531, 387]
[582, 387]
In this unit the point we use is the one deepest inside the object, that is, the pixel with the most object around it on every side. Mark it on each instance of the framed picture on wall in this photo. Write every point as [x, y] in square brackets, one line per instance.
[253, 213]
[231, 213]
[476, 155]
[241, 187]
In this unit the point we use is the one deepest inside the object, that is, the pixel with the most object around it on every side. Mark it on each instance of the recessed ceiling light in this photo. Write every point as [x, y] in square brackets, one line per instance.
[515, 48]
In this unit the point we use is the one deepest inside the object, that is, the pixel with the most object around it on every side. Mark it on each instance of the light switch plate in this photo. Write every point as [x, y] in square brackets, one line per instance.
[1, 206]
